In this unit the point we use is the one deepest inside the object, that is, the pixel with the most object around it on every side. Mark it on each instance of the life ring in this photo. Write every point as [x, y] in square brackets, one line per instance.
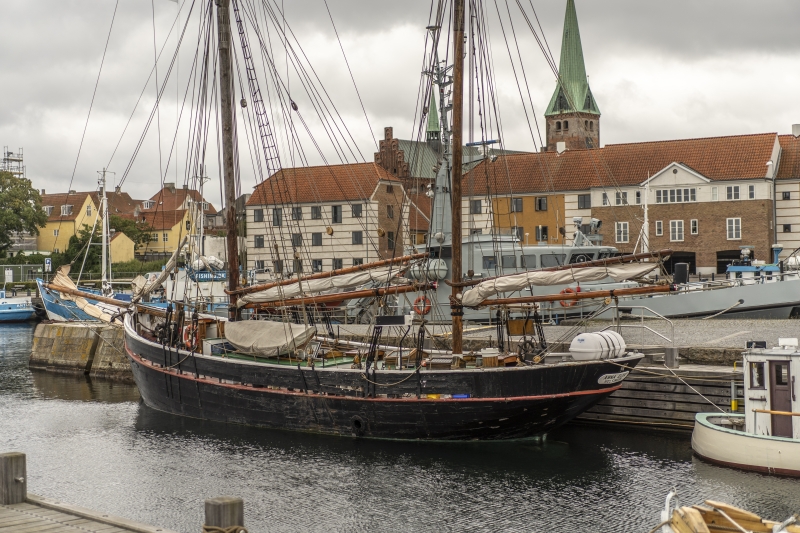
[568, 303]
[190, 337]
[423, 309]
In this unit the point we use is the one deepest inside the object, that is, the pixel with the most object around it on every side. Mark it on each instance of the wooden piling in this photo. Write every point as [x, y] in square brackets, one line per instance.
[13, 478]
[224, 512]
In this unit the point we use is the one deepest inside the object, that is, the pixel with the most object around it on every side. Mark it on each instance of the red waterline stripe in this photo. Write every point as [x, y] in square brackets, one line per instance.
[211, 381]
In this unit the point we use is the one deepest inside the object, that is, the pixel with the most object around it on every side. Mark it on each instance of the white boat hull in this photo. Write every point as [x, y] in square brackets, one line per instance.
[737, 449]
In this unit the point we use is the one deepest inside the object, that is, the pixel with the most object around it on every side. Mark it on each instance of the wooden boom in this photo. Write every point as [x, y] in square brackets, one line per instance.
[320, 275]
[328, 298]
[579, 295]
[104, 299]
[597, 262]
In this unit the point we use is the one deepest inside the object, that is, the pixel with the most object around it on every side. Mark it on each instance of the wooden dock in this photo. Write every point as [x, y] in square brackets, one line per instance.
[21, 512]
[658, 397]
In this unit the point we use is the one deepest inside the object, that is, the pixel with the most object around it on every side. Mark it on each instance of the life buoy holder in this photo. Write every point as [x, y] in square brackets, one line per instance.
[568, 303]
[190, 337]
[422, 305]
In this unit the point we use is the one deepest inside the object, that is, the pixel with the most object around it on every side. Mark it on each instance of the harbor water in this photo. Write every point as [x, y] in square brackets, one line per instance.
[93, 443]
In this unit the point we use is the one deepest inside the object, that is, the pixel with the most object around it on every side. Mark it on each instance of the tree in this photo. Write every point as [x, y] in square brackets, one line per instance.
[20, 209]
[138, 232]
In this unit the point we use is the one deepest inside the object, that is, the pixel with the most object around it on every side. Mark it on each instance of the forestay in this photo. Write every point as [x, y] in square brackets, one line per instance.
[330, 284]
[517, 282]
[267, 338]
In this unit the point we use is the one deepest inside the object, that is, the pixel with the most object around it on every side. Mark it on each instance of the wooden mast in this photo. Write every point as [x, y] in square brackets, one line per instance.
[456, 309]
[229, 178]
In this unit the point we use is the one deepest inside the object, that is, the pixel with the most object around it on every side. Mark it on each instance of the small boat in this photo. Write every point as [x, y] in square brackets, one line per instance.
[766, 438]
[716, 517]
[15, 309]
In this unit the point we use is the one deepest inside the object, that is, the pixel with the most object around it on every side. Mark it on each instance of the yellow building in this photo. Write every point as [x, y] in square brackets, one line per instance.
[534, 218]
[66, 215]
[167, 230]
[120, 246]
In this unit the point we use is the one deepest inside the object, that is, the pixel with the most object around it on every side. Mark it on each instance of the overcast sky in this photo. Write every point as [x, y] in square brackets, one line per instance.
[658, 70]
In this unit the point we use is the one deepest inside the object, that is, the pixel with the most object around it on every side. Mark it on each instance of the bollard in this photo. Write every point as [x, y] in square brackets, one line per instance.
[13, 483]
[671, 357]
[224, 513]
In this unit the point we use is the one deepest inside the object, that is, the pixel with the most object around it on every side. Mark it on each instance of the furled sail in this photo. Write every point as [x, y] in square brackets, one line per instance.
[517, 282]
[62, 279]
[142, 286]
[330, 284]
[267, 338]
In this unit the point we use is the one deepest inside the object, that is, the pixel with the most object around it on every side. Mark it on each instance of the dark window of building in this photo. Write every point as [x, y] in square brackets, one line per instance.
[732, 192]
[316, 212]
[390, 189]
[297, 213]
[751, 192]
[584, 201]
[541, 204]
[390, 240]
[476, 207]
[558, 125]
[518, 232]
[566, 124]
[316, 239]
[297, 240]
[337, 264]
[358, 261]
[258, 241]
[357, 210]
[516, 205]
[258, 215]
[390, 211]
[786, 195]
[358, 237]
[489, 262]
[336, 214]
[591, 125]
[316, 265]
[787, 228]
[541, 233]
[277, 265]
[508, 261]
[277, 216]
[259, 264]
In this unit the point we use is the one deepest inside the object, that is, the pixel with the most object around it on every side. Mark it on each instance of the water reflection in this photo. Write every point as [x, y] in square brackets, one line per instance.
[92, 443]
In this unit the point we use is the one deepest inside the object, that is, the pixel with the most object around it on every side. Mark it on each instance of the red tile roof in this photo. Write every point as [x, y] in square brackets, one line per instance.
[717, 158]
[163, 219]
[337, 183]
[171, 198]
[75, 199]
[119, 203]
[790, 157]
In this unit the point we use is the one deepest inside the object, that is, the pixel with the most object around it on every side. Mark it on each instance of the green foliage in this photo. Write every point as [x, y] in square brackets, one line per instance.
[138, 232]
[76, 249]
[137, 267]
[21, 208]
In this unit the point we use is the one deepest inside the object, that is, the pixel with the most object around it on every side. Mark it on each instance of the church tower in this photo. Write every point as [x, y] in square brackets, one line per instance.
[572, 116]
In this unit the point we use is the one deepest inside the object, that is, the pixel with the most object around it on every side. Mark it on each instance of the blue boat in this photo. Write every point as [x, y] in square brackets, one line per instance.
[61, 310]
[15, 309]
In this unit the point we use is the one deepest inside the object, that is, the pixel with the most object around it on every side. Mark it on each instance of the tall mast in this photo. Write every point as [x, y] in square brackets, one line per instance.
[226, 97]
[104, 270]
[456, 310]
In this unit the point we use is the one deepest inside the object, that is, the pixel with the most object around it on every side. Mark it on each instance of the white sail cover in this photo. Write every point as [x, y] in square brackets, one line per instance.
[142, 286]
[267, 338]
[330, 284]
[517, 282]
[102, 312]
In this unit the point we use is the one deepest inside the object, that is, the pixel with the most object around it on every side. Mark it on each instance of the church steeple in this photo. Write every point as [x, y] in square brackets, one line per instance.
[572, 116]
[433, 131]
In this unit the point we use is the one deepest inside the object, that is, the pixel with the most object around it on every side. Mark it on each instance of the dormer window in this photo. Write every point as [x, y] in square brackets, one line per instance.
[205, 206]
[66, 210]
[148, 204]
[48, 209]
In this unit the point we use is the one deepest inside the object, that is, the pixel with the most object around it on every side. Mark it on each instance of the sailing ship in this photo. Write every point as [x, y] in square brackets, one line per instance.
[271, 372]
[717, 517]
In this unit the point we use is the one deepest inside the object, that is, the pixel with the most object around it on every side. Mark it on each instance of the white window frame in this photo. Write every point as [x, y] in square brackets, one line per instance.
[55, 233]
[621, 232]
[674, 227]
[714, 194]
[751, 192]
[659, 228]
[66, 210]
[605, 199]
[732, 192]
[733, 229]
[89, 210]
[165, 236]
[694, 226]
[638, 196]
[621, 198]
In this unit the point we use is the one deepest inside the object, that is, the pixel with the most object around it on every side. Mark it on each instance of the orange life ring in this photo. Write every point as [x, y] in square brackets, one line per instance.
[190, 337]
[568, 303]
[422, 309]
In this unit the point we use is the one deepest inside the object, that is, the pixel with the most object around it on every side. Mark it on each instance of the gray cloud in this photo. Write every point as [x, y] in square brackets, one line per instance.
[658, 70]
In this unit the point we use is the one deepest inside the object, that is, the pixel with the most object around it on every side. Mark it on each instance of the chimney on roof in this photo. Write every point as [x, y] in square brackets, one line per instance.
[170, 186]
[796, 130]
[117, 189]
[561, 147]
[185, 186]
[43, 193]
[72, 191]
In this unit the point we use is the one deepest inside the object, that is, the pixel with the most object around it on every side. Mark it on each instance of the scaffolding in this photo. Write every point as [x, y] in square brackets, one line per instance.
[12, 162]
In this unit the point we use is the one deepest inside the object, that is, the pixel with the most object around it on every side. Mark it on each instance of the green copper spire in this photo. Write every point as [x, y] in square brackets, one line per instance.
[573, 93]
[433, 119]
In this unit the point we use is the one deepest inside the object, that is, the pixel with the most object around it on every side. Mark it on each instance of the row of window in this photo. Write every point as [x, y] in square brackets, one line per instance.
[356, 211]
[587, 124]
[298, 264]
[356, 238]
[688, 194]
[676, 229]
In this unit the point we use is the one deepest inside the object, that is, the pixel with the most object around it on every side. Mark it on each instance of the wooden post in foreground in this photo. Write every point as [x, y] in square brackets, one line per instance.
[13, 482]
[224, 512]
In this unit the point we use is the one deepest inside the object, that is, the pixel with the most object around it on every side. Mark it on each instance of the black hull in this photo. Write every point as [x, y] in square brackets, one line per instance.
[503, 404]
